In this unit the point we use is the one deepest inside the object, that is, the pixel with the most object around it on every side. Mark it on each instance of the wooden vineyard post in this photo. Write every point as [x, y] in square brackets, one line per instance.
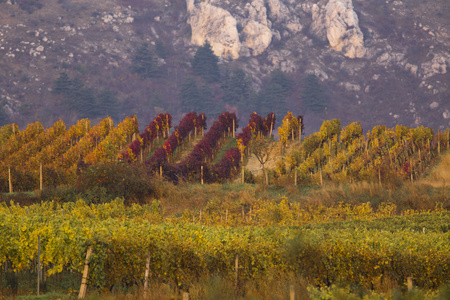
[448, 139]
[160, 172]
[185, 296]
[439, 141]
[271, 128]
[242, 176]
[300, 130]
[234, 128]
[142, 155]
[367, 151]
[167, 123]
[321, 178]
[379, 175]
[291, 292]
[295, 177]
[9, 179]
[409, 283]
[39, 265]
[236, 268]
[147, 271]
[203, 118]
[201, 173]
[83, 287]
[40, 177]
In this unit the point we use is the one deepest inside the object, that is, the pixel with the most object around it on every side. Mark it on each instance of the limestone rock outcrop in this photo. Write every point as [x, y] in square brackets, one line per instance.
[218, 26]
[339, 23]
[256, 37]
[209, 21]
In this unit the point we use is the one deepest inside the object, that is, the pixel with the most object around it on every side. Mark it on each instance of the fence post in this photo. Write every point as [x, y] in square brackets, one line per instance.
[439, 141]
[40, 177]
[291, 292]
[234, 128]
[147, 271]
[39, 265]
[409, 283]
[83, 287]
[295, 177]
[236, 268]
[201, 173]
[9, 179]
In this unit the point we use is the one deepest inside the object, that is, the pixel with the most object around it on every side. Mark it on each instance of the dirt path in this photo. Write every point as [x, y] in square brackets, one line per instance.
[186, 151]
[254, 166]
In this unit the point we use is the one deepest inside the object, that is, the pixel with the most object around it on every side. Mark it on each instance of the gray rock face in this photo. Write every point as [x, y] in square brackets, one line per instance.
[339, 23]
[343, 30]
[373, 76]
[217, 25]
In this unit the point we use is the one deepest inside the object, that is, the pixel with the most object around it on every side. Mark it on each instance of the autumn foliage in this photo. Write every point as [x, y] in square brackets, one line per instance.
[159, 127]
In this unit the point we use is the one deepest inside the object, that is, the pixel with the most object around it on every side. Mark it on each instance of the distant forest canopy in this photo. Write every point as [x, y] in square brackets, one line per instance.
[208, 87]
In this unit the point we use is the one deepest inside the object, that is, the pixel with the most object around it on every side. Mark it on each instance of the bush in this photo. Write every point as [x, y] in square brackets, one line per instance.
[60, 194]
[109, 181]
[248, 177]
[30, 6]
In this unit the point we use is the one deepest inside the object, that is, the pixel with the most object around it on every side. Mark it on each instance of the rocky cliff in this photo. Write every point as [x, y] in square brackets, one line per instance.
[380, 62]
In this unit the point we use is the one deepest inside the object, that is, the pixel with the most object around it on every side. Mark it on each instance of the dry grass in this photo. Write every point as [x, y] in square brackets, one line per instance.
[215, 287]
[440, 174]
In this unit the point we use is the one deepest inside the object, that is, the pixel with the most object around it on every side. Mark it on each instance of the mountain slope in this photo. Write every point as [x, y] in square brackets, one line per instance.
[375, 62]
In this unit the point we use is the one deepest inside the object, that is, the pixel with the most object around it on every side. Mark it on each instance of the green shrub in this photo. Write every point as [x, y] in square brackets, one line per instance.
[109, 181]
[60, 194]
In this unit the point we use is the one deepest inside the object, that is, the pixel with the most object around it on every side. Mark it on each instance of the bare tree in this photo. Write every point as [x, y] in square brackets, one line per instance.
[262, 148]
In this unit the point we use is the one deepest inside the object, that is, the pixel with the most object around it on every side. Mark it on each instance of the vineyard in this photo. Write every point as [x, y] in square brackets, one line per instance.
[333, 154]
[338, 207]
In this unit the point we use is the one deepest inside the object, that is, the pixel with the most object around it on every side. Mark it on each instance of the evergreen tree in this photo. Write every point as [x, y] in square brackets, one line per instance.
[86, 104]
[3, 116]
[108, 105]
[190, 95]
[313, 94]
[236, 88]
[144, 63]
[273, 96]
[62, 85]
[205, 63]
[85, 101]
[74, 94]
[195, 98]
[206, 101]
[161, 50]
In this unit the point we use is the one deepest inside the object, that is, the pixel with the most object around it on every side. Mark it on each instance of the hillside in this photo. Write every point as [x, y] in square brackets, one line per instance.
[365, 216]
[378, 62]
